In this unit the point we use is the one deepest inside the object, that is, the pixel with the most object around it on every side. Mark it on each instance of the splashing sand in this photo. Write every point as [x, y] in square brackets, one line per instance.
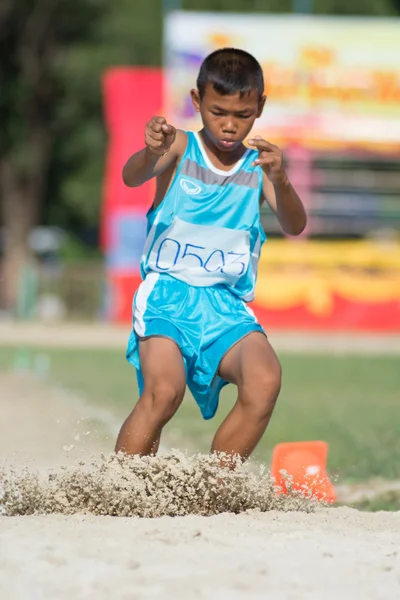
[169, 485]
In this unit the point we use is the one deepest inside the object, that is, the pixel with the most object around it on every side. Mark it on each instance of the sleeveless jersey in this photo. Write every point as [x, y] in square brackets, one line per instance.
[207, 229]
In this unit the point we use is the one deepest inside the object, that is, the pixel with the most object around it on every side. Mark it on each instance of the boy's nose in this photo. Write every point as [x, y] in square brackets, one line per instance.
[229, 126]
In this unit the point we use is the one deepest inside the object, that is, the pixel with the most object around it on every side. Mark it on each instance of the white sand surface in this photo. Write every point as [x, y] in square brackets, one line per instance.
[295, 555]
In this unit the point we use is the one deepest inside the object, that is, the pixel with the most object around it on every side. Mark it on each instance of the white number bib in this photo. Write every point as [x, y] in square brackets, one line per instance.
[201, 255]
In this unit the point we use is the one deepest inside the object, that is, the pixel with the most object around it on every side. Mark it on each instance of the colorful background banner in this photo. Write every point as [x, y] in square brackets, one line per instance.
[326, 90]
[330, 81]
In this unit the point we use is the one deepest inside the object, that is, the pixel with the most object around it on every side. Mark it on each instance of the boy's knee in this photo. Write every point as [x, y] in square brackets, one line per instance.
[163, 399]
[273, 381]
[260, 394]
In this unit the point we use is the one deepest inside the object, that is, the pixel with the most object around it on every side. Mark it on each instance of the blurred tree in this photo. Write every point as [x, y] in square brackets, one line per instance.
[337, 7]
[356, 7]
[35, 36]
[130, 34]
[52, 140]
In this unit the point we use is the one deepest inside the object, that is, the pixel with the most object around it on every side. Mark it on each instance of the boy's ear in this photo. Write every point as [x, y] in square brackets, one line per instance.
[195, 99]
[261, 105]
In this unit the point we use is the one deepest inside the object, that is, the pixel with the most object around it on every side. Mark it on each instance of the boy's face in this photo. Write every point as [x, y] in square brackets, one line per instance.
[227, 119]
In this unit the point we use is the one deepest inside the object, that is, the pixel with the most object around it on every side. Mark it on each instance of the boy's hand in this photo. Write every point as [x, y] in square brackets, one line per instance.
[270, 159]
[159, 136]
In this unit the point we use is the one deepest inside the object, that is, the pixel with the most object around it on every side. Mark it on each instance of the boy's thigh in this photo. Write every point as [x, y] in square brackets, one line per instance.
[161, 362]
[250, 361]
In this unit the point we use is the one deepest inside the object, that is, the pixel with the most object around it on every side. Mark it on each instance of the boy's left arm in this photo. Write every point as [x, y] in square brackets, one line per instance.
[277, 189]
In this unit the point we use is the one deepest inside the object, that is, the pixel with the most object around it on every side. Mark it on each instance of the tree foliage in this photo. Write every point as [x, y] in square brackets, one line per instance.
[35, 37]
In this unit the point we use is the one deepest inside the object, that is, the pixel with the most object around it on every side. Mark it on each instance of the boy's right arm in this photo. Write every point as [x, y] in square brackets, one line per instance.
[164, 145]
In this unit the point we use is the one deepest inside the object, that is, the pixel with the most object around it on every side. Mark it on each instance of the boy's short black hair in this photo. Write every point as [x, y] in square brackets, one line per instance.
[231, 71]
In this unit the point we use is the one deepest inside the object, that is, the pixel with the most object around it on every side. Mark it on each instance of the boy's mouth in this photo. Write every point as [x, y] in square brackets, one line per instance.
[228, 143]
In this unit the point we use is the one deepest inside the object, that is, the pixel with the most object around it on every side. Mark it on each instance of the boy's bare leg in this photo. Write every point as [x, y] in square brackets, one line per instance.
[164, 388]
[253, 366]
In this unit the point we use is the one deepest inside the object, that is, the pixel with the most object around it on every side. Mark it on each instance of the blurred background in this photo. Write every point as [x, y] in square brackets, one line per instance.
[79, 79]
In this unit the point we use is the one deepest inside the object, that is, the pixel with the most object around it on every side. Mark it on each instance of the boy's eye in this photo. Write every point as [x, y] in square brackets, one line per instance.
[218, 113]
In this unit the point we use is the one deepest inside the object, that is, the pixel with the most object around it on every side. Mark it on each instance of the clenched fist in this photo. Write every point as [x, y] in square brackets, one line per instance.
[159, 136]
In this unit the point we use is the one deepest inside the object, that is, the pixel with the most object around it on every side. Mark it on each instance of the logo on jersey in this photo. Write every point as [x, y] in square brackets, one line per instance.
[189, 187]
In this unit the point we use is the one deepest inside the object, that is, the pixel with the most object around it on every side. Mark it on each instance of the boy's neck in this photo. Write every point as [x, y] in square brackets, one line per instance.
[221, 160]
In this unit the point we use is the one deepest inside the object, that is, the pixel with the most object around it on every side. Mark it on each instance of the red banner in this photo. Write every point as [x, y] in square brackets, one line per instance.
[131, 97]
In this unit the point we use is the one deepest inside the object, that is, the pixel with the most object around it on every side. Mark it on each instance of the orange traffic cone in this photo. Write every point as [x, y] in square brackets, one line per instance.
[305, 463]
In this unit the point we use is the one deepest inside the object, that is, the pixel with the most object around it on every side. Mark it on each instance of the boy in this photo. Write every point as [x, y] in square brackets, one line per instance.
[191, 324]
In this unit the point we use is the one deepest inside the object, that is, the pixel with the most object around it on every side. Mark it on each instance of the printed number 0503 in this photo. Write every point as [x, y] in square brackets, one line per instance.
[172, 253]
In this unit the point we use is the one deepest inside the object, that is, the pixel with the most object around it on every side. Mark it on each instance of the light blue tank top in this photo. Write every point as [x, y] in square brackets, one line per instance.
[207, 230]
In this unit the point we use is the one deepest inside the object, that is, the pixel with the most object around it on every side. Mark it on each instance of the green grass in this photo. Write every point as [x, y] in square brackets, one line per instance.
[388, 501]
[352, 402]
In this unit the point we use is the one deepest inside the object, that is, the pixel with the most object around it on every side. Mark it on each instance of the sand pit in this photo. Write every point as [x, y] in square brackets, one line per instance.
[249, 550]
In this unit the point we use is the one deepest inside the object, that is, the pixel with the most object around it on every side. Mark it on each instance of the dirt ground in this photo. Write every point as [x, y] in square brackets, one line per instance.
[296, 555]
[115, 336]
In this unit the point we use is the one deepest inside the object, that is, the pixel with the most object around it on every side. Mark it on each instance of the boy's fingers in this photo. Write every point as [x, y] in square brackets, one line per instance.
[154, 135]
[265, 160]
[168, 129]
[155, 128]
[258, 140]
[160, 120]
[263, 144]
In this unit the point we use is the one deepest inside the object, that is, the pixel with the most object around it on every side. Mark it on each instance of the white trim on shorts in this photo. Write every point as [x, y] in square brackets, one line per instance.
[251, 312]
[142, 296]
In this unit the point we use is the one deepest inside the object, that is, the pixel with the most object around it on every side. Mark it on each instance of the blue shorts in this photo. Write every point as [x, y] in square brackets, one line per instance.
[204, 322]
